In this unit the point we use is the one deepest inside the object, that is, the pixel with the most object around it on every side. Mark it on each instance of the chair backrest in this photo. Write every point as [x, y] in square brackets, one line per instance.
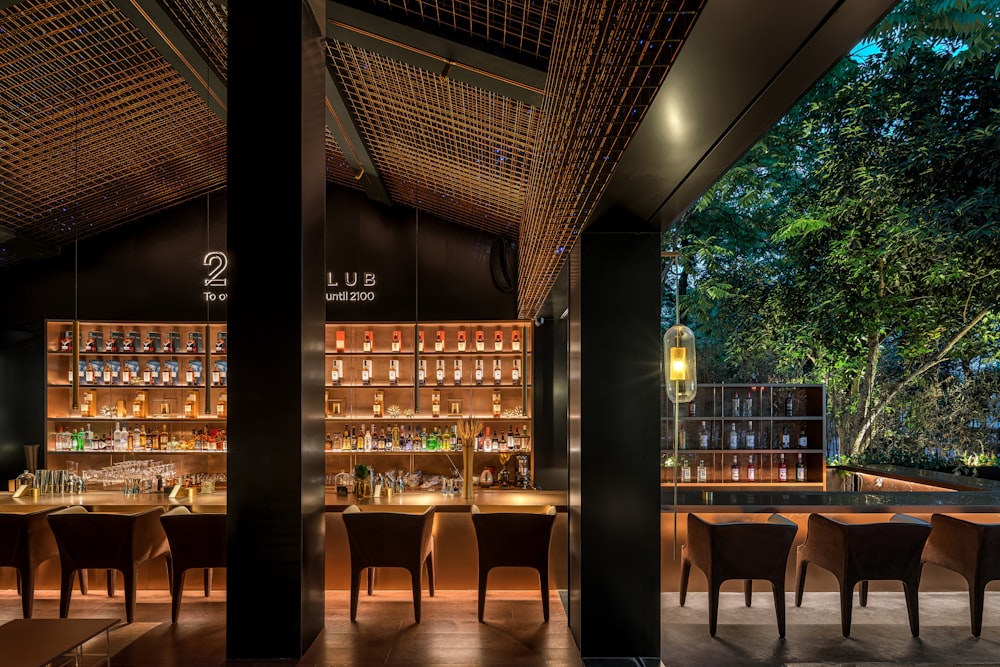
[749, 545]
[106, 539]
[382, 538]
[196, 540]
[516, 538]
[25, 537]
[877, 549]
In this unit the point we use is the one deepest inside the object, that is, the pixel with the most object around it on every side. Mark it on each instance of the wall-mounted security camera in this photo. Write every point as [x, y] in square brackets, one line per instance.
[539, 321]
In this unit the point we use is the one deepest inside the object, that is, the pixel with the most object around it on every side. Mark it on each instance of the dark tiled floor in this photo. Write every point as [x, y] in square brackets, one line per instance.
[514, 635]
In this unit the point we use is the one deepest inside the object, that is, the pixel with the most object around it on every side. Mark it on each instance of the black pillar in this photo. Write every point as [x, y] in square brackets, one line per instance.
[614, 429]
[276, 315]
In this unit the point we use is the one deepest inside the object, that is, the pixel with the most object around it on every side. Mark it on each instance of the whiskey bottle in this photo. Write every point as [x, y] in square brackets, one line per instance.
[734, 470]
[751, 470]
[497, 371]
[458, 372]
[479, 372]
[366, 372]
[702, 472]
[359, 440]
[439, 372]
[782, 470]
[422, 372]
[164, 439]
[703, 436]
[800, 470]
[346, 442]
[515, 373]
[393, 371]
[368, 442]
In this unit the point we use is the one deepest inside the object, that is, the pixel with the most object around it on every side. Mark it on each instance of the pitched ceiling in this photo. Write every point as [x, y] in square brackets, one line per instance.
[512, 117]
[508, 117]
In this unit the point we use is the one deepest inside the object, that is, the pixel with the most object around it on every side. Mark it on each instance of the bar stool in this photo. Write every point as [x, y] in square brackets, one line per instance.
[514, 537]
[738, 547]
[970, 548]
[106, 540]
[857, 552]
[26, 542]
[197, 541]
[386, 538]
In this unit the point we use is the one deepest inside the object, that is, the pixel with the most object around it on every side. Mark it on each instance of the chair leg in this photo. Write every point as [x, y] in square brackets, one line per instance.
[430, 573]
[747, 590]
[713, 606]
[208, 581]
[176, 591]
[84, 582]
[26, 587]
[685, 575]
[130, 588]
[778, 588]
[66, 591]
[912, 605]
[355, 586]
[977, 595]
[111, 584]
[800, 580]
[415, 584]
[371, 579]
[863, 593]
[483, 576]
[543, 580]
[846, 606]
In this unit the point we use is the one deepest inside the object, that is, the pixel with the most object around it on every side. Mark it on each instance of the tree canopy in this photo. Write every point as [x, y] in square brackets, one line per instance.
[856, 243]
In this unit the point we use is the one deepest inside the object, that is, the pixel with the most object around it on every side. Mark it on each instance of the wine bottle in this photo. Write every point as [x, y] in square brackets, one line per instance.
[751, 470]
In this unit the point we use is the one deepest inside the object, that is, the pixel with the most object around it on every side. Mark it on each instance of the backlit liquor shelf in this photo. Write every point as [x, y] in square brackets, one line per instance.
[747, 435]
[161, 387]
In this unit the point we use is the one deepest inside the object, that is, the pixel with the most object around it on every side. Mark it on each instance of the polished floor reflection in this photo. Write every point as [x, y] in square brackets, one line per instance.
[385, 634]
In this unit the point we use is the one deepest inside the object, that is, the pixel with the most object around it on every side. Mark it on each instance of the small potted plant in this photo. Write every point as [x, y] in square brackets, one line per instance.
[362, 481]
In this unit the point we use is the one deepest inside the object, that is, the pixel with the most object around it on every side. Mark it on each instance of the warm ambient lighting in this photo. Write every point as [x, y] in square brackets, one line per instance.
[680, 371]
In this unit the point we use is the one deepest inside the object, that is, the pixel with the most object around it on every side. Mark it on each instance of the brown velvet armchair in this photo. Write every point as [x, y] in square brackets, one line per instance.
[857, 552]
[107, 540]
[26, 542]
[747, 548]
[970, 548]
[197, 541]
[380, 538]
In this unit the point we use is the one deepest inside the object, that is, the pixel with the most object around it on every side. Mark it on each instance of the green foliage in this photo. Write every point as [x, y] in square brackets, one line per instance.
[856, 243]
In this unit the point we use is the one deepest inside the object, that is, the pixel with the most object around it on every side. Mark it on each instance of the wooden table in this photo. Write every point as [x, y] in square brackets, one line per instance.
[36, 642]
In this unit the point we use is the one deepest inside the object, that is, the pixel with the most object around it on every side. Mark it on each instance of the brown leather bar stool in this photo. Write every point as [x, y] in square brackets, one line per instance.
[107, 541]
[743, 547]
[26, 542]
[858, 551]
[396, 538]
[197, 541]
[970, 548]
[514, 537]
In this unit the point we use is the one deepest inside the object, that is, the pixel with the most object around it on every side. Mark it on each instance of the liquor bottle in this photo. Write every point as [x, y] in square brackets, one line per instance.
[692, 409]
[681, 438]
[800, 470]
[789, 406]
[439, 372]
[116, 435]
[366, 372]
[525, 440]
[458, 372]
[751, 470]
[786, 439]
[335, 372]
[368, 442]
[494, 444]
[703, 436]
[497, 371]
[88, 438]
[803, 438]
[346, 442]
[220, 405]
[702, 471]
[685, 470]
[748, 405]
[74, 440]
[394, 442]
[455, 444]
[422, 372]
[736, 405]
[439, 341]
[359, 441]
[460, 340]
[479, 372]
[393, 371]
[782, 470]
[734, 437]
[164, 442]
[138, 438]
[751, 437]
[480, 340]
[734, 470]
[149, 440]
[515, 373]
[380, 443]
[129, 440]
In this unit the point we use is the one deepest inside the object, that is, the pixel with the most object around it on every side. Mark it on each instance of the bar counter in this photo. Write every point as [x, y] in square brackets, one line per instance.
[455, 540]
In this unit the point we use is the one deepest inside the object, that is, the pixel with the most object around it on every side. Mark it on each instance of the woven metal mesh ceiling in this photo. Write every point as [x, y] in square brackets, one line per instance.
[105, 118]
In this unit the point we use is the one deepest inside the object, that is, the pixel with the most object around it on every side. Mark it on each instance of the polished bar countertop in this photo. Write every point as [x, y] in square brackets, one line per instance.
[216, 502]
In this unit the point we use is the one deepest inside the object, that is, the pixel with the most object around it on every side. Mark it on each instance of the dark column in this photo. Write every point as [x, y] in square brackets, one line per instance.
[614, 427]
[276, 313]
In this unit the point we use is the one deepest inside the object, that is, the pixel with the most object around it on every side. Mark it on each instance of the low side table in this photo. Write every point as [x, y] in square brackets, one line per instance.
[37, 642]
